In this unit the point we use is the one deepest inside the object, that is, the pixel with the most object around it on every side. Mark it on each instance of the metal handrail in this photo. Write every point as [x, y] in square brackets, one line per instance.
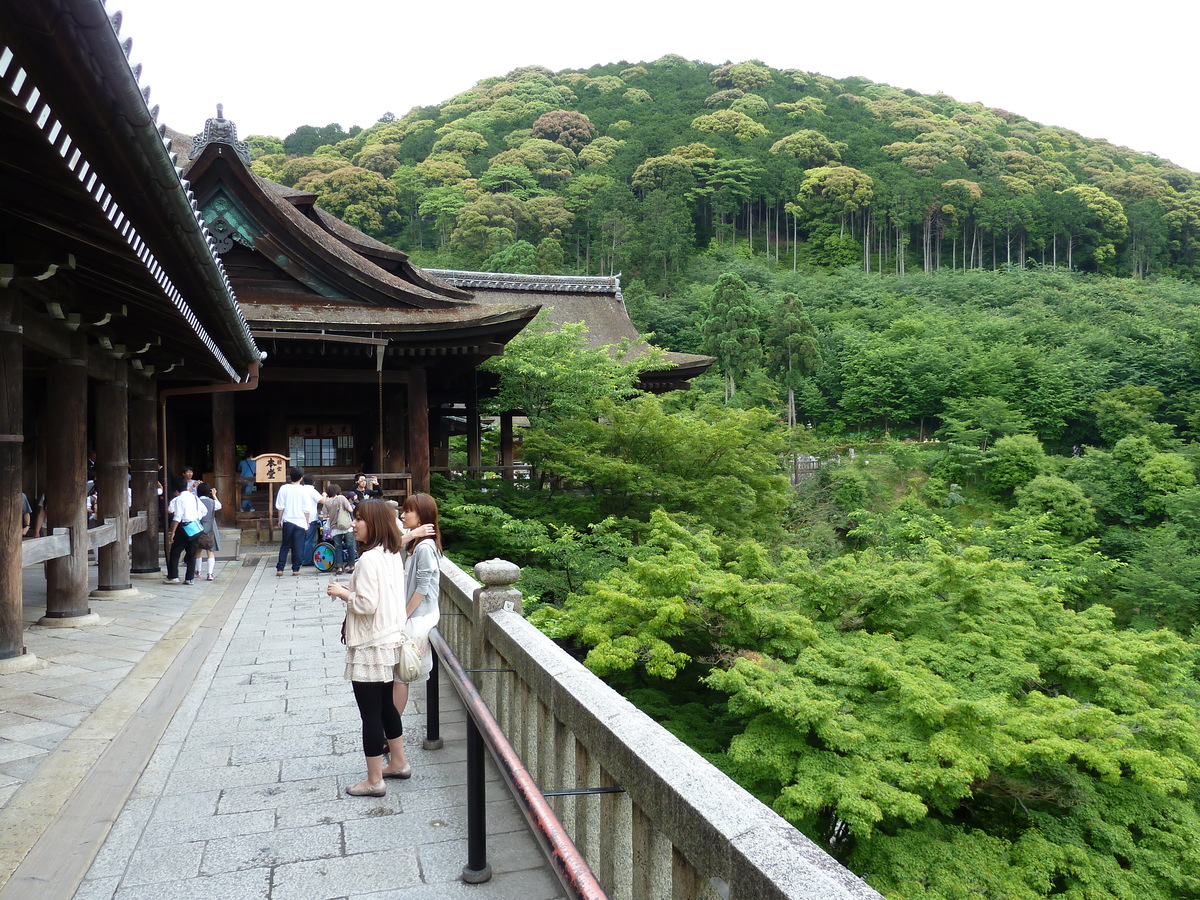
[564, 857]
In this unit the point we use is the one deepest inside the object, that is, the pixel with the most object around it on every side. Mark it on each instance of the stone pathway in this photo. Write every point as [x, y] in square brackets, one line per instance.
[221, 735]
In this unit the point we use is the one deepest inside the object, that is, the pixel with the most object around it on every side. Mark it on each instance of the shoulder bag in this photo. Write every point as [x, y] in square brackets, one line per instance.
[344, 518]
[408, 665]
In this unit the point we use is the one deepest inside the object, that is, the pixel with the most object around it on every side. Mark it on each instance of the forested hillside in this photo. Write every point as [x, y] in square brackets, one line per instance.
[631, 168]
[962, 653]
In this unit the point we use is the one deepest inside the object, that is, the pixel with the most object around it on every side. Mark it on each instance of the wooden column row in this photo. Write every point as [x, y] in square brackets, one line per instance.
[122, 419]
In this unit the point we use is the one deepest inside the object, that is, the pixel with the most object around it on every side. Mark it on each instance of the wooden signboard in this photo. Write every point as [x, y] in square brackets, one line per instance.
[270, 469]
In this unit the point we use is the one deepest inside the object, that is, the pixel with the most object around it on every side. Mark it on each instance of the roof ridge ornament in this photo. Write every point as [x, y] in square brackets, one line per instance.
[220, 131]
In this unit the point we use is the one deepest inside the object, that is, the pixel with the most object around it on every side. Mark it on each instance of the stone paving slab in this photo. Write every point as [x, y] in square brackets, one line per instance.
[243, 794]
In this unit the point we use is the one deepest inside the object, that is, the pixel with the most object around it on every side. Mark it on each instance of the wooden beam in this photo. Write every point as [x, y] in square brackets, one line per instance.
[277, 374]
[43, 549]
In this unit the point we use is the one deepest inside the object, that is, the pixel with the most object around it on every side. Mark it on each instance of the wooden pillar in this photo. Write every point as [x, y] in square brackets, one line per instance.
[223, 458]
[474, 438]
[12, 625]
[506, 443]
[394, 458]
[112, 478]
[143, 467]
[66, 501]
[418, 429]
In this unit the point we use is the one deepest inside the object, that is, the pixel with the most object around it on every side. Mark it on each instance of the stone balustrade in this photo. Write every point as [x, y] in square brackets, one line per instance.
[679, 827]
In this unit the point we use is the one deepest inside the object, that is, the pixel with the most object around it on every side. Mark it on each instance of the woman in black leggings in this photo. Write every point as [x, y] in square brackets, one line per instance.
[375, 619]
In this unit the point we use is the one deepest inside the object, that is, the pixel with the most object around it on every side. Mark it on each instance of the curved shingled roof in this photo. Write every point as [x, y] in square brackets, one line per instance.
[594, 300]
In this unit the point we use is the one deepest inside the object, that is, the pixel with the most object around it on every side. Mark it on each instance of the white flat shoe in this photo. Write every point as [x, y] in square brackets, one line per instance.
[379, 789]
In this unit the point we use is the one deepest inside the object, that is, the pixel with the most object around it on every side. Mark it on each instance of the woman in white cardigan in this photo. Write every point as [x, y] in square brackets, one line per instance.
[375, 619]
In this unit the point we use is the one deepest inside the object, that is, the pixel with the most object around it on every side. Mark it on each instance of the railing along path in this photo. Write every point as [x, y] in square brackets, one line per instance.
[652, 818]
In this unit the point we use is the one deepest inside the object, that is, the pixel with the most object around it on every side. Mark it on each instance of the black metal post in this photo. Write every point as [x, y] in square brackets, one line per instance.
[477, 869]
[433, 717]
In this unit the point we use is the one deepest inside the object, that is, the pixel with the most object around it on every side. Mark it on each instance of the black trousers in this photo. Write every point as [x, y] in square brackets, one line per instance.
[380, 718]
[186, 546]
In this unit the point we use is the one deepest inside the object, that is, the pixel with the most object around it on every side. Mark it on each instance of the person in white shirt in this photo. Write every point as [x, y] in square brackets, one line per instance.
[210, 538]
[312, 498]
[183, 510]
[294, 506]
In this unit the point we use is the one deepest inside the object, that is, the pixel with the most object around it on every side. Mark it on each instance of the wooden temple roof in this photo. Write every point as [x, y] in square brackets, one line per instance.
[594, 300]
[97, 226]
[302, 273]
[307, 281]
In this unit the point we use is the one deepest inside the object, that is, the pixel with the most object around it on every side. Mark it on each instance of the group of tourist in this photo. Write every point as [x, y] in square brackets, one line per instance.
[389, 598]
[300, 507]
[192, 527]
[392, 595]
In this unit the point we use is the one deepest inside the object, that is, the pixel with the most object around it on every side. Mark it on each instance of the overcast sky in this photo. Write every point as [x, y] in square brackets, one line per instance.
[278, 64]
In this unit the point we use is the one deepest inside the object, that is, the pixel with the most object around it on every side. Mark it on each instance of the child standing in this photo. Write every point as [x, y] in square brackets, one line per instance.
[210, 541]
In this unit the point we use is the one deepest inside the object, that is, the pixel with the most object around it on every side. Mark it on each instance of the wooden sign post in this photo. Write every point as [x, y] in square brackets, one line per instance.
[271, 469]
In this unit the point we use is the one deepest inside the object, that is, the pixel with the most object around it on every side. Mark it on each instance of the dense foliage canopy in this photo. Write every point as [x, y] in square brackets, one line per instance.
[632, 167]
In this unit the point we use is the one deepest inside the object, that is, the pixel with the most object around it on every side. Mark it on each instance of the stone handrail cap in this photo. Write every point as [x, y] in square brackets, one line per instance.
[497, 571]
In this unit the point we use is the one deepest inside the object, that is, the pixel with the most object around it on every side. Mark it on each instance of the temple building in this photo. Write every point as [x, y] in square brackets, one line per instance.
[161, 304]
[374, 361]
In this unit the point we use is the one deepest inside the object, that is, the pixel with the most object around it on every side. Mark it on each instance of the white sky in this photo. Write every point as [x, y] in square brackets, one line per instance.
[1123, 73]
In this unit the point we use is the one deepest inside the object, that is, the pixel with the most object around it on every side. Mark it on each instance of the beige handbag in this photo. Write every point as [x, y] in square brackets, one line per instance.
[408, 667]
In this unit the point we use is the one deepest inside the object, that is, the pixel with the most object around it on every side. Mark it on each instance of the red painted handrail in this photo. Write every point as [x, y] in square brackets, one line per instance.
[568, 863]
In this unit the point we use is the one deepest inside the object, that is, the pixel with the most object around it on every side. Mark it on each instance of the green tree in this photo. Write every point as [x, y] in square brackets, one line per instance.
[567, 127]
[635, 456]
[487, 224]
[307, 138]
[731, 331]
[792, 351]
[1014, 461]
[980, 420]
[361, 198]
[551, 373]
[1094, 220]
[810, 149]
[664, 235]
[947, 700]
[1063, 503]
[517, 257]
[443, 205]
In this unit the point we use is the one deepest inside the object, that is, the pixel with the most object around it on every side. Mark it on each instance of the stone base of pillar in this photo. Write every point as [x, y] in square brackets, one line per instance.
[114, 593]
[157, 570]
[26, 662]
[68, 621]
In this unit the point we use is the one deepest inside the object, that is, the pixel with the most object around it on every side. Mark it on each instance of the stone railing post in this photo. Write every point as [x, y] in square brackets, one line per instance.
[496, 577]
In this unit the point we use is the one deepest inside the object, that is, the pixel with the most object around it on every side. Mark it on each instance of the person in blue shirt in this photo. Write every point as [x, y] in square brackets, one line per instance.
[247, 469]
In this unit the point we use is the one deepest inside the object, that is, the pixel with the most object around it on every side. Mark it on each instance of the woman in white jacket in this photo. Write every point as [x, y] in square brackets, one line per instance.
[375, 619]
